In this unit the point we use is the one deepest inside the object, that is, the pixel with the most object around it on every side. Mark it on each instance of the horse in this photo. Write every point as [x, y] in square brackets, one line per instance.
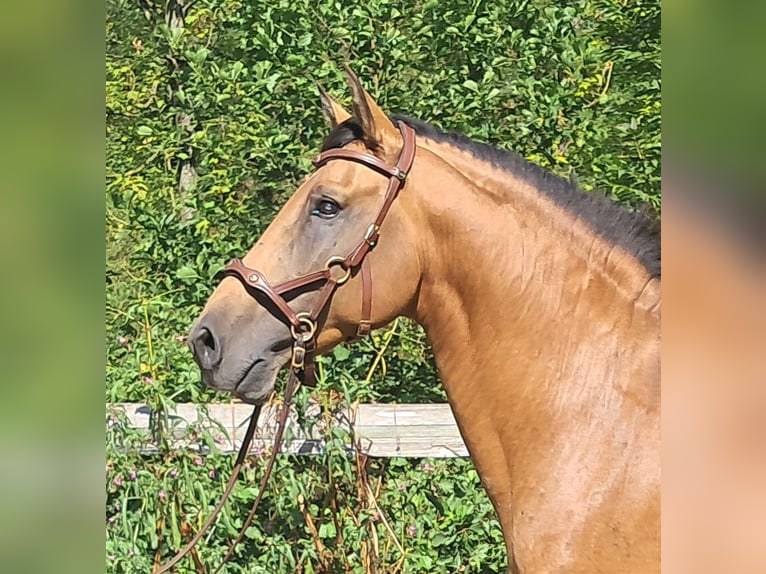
[541, 302]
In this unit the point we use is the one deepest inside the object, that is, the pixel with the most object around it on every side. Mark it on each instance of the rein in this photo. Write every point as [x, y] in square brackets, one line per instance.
[304, 325]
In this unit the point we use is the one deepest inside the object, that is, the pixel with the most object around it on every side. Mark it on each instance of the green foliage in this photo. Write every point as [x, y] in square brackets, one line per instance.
[573, 87]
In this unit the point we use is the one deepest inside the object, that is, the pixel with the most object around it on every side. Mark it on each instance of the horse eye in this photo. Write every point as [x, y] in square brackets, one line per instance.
[326, 209]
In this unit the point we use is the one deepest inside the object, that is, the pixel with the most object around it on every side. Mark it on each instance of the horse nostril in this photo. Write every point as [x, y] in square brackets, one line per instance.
[206, 348]
[207, 339]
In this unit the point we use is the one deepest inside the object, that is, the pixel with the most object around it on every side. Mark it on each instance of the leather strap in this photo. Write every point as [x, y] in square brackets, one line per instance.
[364, 158]
[289, 390]
[241, 455]
[255, 281]
[324, 298]
[365, 325]
[301, 282]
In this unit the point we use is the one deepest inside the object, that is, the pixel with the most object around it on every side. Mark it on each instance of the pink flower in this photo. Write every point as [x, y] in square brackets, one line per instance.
[211, 474]
[122, 341]
[198, 461]
[427, 467]
[376, 517]
[148, 380]
[412, 531]
[117, 481]
[173, 473]
[132, 475]
[161, 495]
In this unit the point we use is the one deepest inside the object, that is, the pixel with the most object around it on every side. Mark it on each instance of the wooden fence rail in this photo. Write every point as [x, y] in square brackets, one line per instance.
[381, 430]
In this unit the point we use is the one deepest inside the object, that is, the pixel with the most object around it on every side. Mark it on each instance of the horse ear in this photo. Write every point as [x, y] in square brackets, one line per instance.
[376, 125]
[332, 110]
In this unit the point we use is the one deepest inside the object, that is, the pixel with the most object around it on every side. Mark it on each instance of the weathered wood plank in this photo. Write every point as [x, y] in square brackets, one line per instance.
[380, 430]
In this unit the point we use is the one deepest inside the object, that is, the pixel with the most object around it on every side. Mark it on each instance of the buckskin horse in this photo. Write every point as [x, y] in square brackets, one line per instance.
[541, 302]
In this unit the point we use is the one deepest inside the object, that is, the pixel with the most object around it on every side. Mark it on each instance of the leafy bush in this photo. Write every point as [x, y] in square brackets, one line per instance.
[224, 103]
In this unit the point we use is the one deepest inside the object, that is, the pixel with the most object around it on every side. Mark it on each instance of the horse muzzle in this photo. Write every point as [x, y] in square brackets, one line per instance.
[232, 362]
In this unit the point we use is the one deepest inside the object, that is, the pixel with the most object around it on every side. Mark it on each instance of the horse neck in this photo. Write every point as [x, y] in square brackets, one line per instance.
[519, 293]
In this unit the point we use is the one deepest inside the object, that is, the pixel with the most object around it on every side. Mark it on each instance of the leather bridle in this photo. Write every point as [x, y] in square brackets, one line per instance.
[304, 324]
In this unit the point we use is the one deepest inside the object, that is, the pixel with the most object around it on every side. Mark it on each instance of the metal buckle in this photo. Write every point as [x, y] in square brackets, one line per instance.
[299, 356]
[371, 230]
[363, 328]
[401, 174]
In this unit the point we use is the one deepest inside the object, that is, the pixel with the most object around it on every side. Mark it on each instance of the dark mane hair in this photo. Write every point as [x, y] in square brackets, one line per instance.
[636, 232]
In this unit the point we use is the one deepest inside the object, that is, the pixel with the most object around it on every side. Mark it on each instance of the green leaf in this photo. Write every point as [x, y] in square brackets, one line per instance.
[186, 272]
[341, 353]
[440, 539]
[280, 138]
[327, 530]
[144, 130]
[175, 533]
[305, 40]
[471, 85]
[435, 501]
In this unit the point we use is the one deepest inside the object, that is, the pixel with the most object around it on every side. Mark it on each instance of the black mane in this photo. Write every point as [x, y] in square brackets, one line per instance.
[636, 232]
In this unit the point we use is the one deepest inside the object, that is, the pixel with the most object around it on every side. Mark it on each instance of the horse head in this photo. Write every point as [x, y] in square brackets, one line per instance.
[339, 225]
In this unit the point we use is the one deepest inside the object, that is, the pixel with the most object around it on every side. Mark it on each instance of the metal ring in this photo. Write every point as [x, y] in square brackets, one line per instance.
[304, 319]
[341, 261]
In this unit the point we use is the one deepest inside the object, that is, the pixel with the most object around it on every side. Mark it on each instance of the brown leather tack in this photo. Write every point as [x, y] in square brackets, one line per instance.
[365, 325]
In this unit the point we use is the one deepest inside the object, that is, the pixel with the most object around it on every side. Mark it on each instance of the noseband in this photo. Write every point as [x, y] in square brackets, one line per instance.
[337, 269]
[304, 324]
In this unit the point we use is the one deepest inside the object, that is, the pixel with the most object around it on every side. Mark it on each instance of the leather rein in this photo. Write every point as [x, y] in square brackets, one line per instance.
[304, 324]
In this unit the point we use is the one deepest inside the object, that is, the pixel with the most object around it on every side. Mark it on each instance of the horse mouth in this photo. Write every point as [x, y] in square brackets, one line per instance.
[246, 375]
[256, 382]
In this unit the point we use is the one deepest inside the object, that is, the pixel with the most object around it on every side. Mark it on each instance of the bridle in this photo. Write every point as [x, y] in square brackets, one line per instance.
[303, 325]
